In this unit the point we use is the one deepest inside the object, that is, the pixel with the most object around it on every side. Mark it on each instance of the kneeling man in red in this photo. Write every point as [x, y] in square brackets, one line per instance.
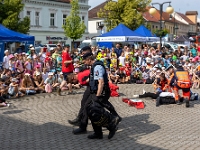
[83, 79]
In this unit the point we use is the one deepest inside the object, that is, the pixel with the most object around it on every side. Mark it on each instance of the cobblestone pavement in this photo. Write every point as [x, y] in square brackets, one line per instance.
[40, 122]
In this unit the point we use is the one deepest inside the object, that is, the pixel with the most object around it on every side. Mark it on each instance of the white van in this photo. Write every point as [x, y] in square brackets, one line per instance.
[84, 43]
[170, 45]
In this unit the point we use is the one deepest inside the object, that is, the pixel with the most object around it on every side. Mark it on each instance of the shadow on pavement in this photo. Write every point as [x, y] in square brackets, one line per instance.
[13, 112]
[17, 134]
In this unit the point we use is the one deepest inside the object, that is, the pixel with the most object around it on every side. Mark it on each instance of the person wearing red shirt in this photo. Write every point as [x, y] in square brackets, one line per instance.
[67, 68]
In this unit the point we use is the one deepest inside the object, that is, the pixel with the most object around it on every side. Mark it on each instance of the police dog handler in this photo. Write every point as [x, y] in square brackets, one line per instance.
[99, 95]
[83, 79]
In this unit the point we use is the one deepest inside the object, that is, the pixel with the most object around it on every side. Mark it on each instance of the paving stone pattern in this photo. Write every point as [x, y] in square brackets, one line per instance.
[39, 122]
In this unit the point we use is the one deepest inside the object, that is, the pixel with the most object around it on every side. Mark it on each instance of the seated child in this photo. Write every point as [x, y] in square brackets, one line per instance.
[13, 89]
[50, 83]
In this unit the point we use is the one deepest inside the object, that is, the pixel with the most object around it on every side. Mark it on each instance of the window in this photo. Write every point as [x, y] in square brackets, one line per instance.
[28, 14]
[37, 18]
[153, 26]
[64, 19]
[52, 19]
[83, 19]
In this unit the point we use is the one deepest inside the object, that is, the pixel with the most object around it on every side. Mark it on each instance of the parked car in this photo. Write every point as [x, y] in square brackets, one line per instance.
[83, 44]
[38, 49]
[50, 46]
[170, 45]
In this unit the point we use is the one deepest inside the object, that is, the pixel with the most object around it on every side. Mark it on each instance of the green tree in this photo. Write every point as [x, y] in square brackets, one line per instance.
[128, 12]
[74, 28]
[10, 16]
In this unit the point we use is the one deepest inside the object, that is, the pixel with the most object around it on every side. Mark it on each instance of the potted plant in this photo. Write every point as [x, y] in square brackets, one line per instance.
[161, 33]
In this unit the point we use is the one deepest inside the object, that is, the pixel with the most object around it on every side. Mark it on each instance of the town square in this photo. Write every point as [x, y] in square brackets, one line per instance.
[99, 75]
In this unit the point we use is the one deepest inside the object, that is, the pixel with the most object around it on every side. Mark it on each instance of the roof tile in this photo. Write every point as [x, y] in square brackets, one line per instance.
[93, 12]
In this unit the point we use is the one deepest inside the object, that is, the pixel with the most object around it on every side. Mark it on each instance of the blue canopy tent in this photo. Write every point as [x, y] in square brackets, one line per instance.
[7, 35]
[146, 33]
[121, 33]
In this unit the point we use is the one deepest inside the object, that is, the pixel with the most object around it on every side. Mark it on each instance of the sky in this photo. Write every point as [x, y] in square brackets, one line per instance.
[179, 5]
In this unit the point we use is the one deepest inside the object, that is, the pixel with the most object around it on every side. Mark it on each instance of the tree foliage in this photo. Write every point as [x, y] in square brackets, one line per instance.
[74, 27]
[128, 12]
[10, 16]
[161, 33]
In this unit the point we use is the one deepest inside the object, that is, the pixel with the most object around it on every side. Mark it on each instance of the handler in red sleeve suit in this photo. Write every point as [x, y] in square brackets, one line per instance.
[181, 81]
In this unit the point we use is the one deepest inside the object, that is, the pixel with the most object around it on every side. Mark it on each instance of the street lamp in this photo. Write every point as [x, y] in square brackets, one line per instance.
[175, 26]
[169, 10]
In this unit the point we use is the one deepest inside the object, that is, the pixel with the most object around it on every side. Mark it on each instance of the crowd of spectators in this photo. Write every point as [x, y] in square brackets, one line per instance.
[30, 73]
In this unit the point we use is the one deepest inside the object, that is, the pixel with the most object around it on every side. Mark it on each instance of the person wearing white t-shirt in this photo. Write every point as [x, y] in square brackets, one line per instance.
[122, 59]
[42, 55]
[185, 56]
[44, 74]
[6, 60]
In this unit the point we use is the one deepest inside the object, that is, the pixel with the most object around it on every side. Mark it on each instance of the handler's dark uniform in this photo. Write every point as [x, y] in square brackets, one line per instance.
[96, 112]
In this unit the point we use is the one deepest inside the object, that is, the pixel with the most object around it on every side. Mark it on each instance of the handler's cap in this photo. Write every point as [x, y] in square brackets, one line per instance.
[86, 48]
[85, 56]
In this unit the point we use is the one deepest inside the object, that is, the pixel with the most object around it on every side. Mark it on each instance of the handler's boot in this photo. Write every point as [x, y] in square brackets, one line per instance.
[112, 127]
[79, 131]
[187, 103]
[94, 136]
[75, 122]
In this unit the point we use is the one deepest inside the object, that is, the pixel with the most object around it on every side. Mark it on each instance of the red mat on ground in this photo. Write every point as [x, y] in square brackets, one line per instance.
[139, 104]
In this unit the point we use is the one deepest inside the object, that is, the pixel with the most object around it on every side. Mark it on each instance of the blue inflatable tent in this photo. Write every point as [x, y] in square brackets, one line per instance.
[142, 30]
[121, 33]
[7, 35]
[121, 30]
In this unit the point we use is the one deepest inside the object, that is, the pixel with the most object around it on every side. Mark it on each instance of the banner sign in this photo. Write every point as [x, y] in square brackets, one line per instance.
[127, 39]
[136, 39]
[111, 39]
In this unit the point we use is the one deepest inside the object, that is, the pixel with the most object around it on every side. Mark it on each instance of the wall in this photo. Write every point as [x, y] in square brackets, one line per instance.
[92, 27]
[154, 25]
[45, 8]
[193, 18]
